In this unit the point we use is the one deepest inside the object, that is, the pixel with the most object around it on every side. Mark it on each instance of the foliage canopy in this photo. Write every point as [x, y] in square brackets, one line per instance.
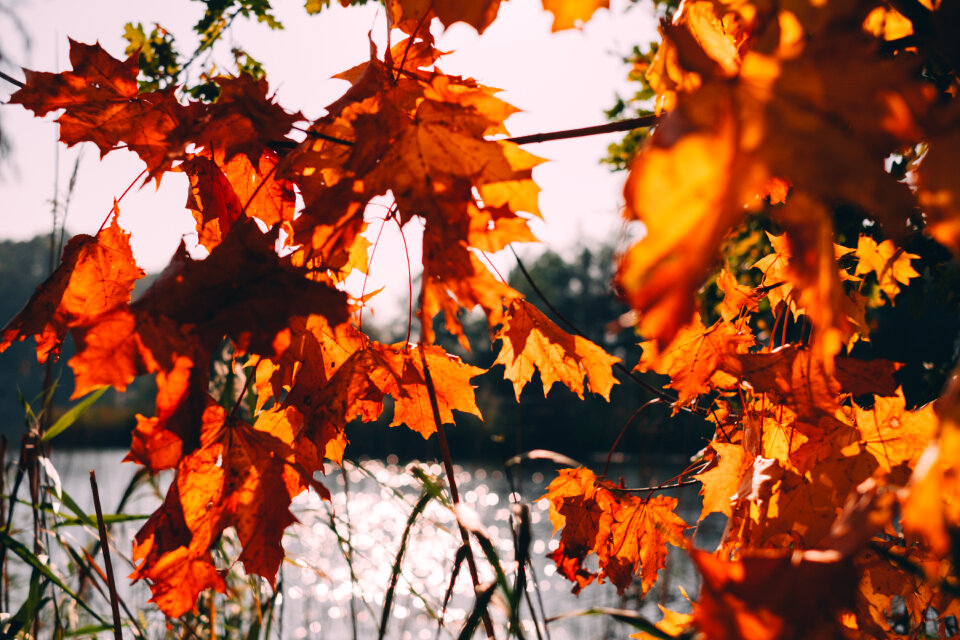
[804, 166]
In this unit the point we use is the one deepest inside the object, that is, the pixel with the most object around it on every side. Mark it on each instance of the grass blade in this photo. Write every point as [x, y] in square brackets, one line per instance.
[418, 508]
[77, 410]
[632, 618]
[18, 548]
[479, 609]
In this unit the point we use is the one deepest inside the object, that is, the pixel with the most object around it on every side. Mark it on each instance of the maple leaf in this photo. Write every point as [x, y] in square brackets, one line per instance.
[787, 595]
[185, 570]
[570, 14]
[532, 342]
[220, 195]
[243, 120]
[422, 138]
[626, 533]
[103, 106]
[639, 533]
[241, 476]
[745, 123]
[771, 429]
[95, 276]
[451, 379]
[894, 435]
[892, 265]
[802, 383]
[776, 274]
[695, 358]
[721, 481]
[111, 350]
[737, 298]
[212, 199]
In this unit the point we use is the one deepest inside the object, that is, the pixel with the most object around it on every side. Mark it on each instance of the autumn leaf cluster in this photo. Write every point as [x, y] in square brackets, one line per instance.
[840, 497]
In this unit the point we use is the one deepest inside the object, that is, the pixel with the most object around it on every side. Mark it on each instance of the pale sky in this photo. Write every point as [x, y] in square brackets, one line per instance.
[561, 81]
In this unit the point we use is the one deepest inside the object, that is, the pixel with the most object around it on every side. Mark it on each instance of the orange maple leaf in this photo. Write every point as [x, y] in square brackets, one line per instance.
[531, 341]
[737, 298]
[800, 379]
[695, 358]
[628, 534]
[219, 195]
[243, 476]
[103, 106]
[95, 276]
[570, 14]
[892, 265]
[422, 138]
[775, 596]
[721, 481]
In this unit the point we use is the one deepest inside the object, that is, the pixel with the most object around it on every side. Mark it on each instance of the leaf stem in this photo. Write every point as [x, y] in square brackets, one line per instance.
[452, 480]
[623, 430]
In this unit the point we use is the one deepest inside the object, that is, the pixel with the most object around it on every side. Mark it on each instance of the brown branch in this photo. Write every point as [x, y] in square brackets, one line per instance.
[612, 127]
[11, 80]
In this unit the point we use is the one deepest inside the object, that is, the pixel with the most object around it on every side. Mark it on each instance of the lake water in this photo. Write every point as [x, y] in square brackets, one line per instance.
[371, 503]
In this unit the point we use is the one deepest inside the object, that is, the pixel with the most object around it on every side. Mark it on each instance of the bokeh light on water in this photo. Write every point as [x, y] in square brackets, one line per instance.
[322, 598]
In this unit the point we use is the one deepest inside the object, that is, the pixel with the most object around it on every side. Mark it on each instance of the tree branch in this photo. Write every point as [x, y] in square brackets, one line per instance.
[11, 79]
[611, 127]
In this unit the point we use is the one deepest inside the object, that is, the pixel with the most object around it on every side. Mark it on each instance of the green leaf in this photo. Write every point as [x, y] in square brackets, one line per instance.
[67, 419]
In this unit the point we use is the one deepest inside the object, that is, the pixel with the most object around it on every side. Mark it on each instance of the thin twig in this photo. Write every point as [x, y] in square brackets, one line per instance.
[11, 80]
[660, 487]
[547, 136]
[611, 127]
[108, 564]
[623, 430]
